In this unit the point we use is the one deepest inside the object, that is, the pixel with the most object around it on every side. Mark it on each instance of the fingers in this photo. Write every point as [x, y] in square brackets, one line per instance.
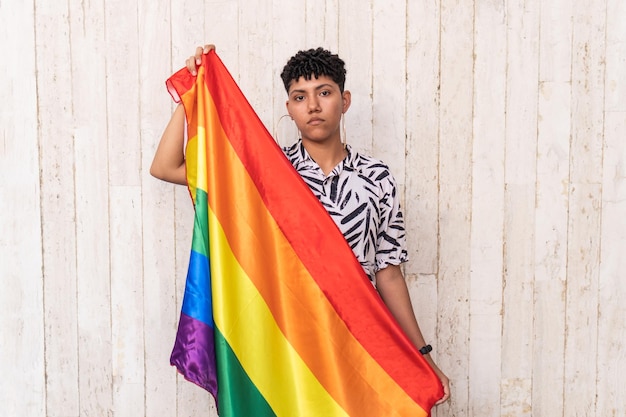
[446, 391]
[190, 63]
[193, 62]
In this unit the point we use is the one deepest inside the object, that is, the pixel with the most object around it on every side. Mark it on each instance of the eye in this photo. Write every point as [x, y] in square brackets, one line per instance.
[298, 98]
[324, 93]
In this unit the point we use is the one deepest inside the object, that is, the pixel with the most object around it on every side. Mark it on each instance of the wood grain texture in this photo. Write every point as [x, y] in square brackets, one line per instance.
[503, 123]
[22, 316]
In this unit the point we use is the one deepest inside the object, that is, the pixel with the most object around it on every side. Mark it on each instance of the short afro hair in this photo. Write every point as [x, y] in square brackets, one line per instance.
[314, 63]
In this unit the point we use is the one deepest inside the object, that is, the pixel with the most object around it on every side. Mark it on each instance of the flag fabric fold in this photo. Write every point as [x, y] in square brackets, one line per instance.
[278, 317]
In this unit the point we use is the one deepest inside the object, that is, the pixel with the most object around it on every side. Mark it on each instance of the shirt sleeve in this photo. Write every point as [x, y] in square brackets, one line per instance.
[391, 237]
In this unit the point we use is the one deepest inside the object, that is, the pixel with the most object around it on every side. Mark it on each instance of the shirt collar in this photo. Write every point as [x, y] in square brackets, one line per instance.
[348, 162]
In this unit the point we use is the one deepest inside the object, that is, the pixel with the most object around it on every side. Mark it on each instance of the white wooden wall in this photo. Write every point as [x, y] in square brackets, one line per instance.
[504, 123]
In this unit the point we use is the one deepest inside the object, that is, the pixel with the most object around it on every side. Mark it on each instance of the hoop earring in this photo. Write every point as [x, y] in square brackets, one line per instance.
[344, 138]
[276, 128]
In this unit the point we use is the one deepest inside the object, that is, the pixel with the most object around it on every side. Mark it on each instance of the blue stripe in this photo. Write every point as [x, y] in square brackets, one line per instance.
[197, 302]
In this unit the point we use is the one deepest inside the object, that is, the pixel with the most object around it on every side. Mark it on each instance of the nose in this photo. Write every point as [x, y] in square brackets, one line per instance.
[314, 104]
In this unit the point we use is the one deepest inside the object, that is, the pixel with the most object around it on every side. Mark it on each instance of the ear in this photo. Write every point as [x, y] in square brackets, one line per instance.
[347, 99]
[287, 106]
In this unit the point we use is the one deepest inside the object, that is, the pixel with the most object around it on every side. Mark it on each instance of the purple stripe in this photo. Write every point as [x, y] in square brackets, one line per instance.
[194, 353]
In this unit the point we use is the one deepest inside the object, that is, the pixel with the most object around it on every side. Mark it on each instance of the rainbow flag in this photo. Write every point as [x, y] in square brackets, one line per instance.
[278, 317]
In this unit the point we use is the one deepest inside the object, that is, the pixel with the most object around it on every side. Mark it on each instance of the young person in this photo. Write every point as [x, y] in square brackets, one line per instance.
[358, 191]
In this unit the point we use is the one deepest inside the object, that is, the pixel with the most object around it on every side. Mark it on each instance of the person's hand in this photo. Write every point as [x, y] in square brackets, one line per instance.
[446, 386]
[194, 61]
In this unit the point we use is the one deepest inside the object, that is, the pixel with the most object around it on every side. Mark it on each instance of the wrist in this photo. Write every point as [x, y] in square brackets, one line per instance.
[425, 350]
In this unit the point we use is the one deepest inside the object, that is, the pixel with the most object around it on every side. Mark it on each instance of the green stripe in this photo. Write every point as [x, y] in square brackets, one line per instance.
[237, 396]
[200, 240]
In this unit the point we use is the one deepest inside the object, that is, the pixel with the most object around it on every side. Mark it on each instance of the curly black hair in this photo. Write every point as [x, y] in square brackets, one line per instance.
[314, 63]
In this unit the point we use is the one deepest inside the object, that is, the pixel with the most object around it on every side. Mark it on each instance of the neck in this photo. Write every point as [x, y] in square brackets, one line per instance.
[326, 154]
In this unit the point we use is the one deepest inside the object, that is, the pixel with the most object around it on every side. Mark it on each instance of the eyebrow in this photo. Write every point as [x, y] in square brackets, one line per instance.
[319, 87]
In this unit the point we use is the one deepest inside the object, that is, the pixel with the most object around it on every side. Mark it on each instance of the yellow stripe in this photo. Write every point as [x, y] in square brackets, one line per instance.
[269, 360]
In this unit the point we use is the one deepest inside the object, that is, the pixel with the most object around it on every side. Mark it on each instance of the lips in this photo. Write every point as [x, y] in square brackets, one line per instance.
[315, 121]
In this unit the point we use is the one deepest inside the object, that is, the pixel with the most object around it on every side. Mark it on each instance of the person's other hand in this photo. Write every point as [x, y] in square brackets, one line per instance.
[194, 61]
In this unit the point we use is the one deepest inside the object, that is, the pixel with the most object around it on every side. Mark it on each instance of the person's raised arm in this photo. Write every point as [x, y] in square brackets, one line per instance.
[169, 159]
[394, 292]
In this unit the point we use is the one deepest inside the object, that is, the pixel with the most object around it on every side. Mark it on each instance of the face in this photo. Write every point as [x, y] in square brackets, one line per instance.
[316, 106]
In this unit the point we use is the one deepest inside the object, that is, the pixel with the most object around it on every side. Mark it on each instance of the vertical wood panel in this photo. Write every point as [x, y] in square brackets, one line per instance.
[422, 124]
[126, 302]
[255, 26]
[122, 66]
[58, 207]
[455, 153]
[583, 251]
[321, 26]
[356, 18]
[92, 208]
[389, 69]
[551, 203]
[23, 387]
[487, 208]
[159, 301]
[611, 360]
[289, 17]
[519, 217]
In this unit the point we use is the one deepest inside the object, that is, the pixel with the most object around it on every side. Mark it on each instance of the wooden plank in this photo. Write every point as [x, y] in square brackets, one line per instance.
[127, 299]
[291, 18]
[519, 217]
[356, 51]
[455, 155]
[517, 318]
[159, 306]
[551, 215]
[555, 52]
[588, 68]
[256, 74]
[23, 387]
[583, 249]
[122, 66]
[487, 208]
[611, 360]
[93, 309]
[321, 25]
[422, 142]
[389, 69]
[221, 28]
[615, 87]
[58, 217]
[581, 331]
[421, 161]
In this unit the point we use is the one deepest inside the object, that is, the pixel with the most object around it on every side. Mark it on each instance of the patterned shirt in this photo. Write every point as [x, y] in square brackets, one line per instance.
[360, 196]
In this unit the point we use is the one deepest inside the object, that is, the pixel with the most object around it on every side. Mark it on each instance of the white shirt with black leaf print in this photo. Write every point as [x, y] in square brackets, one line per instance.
[361, 197]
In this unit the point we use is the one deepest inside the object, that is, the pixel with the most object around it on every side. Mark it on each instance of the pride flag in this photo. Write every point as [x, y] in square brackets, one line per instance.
[278, 317]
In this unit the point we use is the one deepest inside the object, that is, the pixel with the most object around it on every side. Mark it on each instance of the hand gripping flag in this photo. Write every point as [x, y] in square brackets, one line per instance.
[278, 317]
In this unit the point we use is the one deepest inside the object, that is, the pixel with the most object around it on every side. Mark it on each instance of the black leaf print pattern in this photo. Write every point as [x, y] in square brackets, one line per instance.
[360, 196]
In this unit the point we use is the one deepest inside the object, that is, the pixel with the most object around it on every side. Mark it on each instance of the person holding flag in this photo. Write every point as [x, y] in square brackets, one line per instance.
[358, 191]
